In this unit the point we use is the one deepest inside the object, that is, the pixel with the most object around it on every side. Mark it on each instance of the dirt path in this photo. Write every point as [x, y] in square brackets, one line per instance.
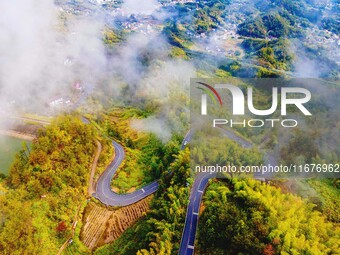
[68, 241]
[91, 190]
[92, 186]
[28, 119]
[15, 134]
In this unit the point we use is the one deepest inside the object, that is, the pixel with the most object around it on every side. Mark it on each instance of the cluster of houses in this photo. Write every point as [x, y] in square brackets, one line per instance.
[144, 27]
[326, 40]
[64, 102]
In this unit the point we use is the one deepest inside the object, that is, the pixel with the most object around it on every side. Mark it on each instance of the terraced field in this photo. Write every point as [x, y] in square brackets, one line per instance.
[103, 225]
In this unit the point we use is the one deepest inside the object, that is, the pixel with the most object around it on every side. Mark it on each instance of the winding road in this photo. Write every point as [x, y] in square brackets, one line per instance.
[108, 197]
[103, 188]
[196, 194]
[104, 192]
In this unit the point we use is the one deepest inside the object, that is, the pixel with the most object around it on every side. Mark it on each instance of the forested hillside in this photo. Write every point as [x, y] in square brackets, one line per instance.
[46, 186]
[125, 66]
[247, 217]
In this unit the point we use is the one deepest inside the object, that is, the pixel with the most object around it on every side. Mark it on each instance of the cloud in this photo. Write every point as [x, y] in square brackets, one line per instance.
[167, 76]
[43, 51]
[153, 125]
[147, 7]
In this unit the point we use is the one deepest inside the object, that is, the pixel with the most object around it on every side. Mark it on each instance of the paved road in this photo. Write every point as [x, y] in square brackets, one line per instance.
[201, 181]
[187, 138]
[108, 197]
[103, 188]
[191, 220]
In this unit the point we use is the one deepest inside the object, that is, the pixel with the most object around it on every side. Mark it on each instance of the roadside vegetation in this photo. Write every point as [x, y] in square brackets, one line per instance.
[45, 187]
[47, 183]
[243, 216]
[223, 151]
[147, 157]
[159, 232]
[328, 192]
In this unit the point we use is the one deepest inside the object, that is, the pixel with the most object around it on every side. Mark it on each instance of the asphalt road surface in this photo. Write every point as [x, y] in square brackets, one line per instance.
[108, 197]
[103, 188]
[201, 181]
[191, 220]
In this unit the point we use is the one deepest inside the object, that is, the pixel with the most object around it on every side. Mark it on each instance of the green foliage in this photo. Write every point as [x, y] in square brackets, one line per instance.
[147, 157]
[223, 151]
[254, 28]
[177, 52]
[328, 191]
[160, 231]
[60, 155]
[233, 68]
[266, 73]
[222, 74]
[254, 45]
[301, 148]
[267, 54]
[210, 14]
[301, 9]
[263, 220]
[129, 242]
[105, 156]
[46, 188]
[176, 35]
[273, 55]
[331, 24]
[203, 21]
[112, 37]
[269, 25]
